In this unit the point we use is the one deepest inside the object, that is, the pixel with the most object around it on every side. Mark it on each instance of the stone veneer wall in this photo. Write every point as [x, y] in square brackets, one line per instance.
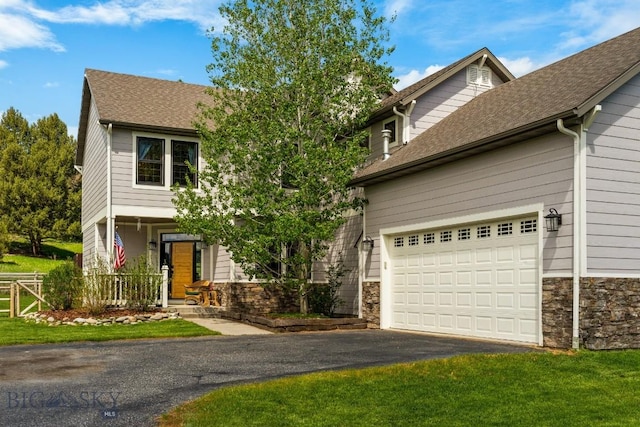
[251, 298]
[609, 313]
[557, 312]
[371, 303]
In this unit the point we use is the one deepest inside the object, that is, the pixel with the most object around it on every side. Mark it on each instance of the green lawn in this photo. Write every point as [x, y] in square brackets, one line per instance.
[54, 253]
[534, 389]
[18, 331]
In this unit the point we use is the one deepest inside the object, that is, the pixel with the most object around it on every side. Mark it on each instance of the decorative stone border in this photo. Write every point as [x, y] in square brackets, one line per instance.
[301, 325]
[113, 320]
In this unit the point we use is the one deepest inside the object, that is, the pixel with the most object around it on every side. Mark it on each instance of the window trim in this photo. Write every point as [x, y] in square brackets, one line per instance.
[173, 163]
[167, 159]
[392, 142]
[137, 161]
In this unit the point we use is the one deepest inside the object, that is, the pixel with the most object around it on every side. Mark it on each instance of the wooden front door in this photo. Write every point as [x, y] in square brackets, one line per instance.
[182, 263]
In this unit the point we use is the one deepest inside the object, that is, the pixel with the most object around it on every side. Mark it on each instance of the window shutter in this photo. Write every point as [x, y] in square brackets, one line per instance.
[485, 77]
[472, 74]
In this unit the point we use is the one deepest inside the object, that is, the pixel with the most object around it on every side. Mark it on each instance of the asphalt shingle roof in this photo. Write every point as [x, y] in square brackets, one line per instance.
[143, 101]
[565, 89]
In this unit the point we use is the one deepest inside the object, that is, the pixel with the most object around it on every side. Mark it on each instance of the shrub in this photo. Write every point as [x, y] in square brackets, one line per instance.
[142, 284]
[98, 284]
[63, 286]
[323, 297]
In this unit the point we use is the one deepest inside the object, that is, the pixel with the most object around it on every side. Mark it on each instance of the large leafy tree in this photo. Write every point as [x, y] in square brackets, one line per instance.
[293, 84]
[39, 190]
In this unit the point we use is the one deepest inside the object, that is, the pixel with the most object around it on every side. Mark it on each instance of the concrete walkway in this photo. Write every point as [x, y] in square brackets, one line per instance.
[227, 327]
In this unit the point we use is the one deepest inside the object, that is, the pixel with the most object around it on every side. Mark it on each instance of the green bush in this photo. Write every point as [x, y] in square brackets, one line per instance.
[4, 239]
[63, 286]
[323, 297]
[142, 283]
[98, 286]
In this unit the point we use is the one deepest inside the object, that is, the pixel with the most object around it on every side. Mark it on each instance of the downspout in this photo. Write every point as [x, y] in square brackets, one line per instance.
[406, 121]
[577, 217]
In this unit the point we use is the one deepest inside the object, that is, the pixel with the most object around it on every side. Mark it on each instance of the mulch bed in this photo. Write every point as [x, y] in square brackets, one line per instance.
[84, 313]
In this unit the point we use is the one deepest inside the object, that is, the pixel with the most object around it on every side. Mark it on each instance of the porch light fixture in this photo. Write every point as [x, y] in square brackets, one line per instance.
[153, 245]
[367, 243]
[553, 220]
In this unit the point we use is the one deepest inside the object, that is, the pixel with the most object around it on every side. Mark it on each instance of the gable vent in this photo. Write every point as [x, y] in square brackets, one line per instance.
[478, 75]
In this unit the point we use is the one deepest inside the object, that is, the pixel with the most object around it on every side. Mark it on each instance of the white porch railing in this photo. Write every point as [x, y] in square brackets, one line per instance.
[121, 289]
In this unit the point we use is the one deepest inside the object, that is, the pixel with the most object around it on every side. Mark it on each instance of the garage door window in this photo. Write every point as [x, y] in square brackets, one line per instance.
[429, 238]
[528, 226]
[505, 229]
[445, 236]
[484, 231]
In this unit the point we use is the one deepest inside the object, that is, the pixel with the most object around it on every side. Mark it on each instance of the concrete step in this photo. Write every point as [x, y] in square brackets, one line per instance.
[196, 311]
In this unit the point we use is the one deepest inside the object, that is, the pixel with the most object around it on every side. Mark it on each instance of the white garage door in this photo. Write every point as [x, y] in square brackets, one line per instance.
[478, 280]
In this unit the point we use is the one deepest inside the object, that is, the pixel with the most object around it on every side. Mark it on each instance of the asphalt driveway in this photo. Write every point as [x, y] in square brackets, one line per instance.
[127, 383]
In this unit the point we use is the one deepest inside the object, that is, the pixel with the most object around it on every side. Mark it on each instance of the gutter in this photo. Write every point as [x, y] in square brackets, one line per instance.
[577, 218]
[359, 181]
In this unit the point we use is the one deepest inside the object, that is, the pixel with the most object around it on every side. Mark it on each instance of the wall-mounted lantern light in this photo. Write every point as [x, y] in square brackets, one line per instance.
[153, 245]
[553, 220]
[367, 243]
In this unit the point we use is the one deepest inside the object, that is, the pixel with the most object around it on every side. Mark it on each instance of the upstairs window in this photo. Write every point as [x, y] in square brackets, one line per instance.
[480, 76]
[391, 125]
[183, 154]
[150, 154]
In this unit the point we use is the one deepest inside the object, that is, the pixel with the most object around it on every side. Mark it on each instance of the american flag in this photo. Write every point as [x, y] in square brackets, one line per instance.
[119, 256]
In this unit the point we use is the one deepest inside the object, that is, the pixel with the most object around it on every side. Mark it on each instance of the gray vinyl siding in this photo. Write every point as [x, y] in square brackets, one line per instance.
[535, 171]
[223, 266]
[94, 170]
[88, 246]
[613, 184]
[444, 99]
[433, 106]
[123, 166]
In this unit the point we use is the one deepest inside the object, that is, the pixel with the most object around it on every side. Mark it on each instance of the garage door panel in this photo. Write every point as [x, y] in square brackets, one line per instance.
[505, 301]
[484, 300]
[477, 280]
[463, 257]
[464, 299]
[484, 256]
[445, 322]
[445, 299]
[505, 277]
[505, 254]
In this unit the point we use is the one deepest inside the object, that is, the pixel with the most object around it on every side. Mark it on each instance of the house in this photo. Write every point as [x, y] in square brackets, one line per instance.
[135, 135]
[457, 213]
[466, 167]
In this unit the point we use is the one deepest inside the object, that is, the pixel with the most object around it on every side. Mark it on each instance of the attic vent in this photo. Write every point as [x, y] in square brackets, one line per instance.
[478, 75]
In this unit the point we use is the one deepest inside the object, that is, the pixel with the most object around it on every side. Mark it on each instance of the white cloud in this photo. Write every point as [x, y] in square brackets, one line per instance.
[413, 76]
[203, 13]
[17, 31]
[519, 66]
[599, 20]
[397, 7]
[3, 64]
[23, 23]
[50, 85]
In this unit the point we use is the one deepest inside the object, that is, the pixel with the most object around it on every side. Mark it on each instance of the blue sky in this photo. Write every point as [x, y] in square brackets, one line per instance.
[46, 45]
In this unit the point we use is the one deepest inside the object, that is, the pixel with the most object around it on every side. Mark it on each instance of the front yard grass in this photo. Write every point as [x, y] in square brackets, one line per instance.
[18, 331]
[532, 389]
